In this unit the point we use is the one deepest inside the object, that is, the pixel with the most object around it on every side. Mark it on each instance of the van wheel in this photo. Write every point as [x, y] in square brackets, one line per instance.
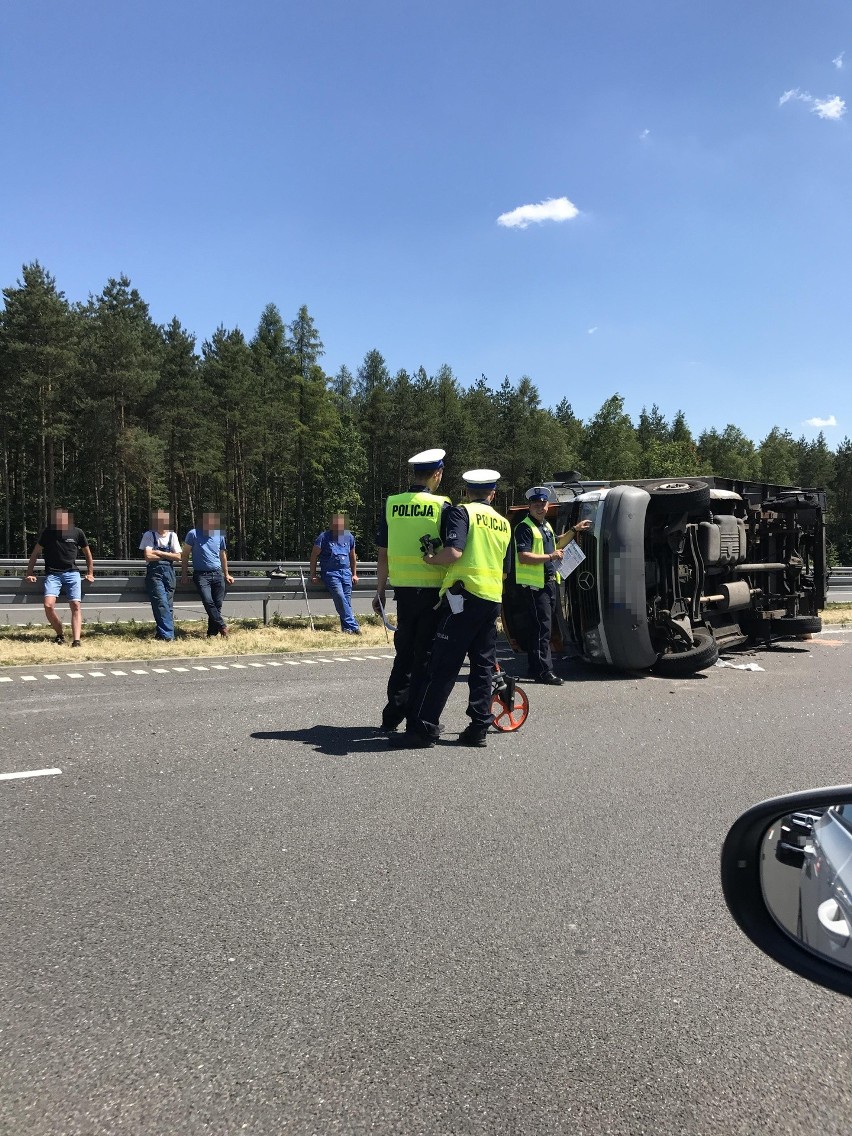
[703, 653]
[677, 495]
[784, 626]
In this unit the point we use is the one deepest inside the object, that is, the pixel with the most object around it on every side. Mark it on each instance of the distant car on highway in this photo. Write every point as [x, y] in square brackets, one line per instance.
[677, 568]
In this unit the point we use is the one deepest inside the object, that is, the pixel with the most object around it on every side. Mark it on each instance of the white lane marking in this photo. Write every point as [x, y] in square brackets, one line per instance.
[29, 773]
[324, 660]
[53, 676]
[140, 672]
[74, 674]
[257, 664]
[275, 664]
[219, 667]
[28, 678]
[5, 678]
[339, 659]
[310, 662]
[182, 670]
[357, 659]
[378, 658]
[124, 673]
[97, 674]
[387, 656]
[195, 668]
[239, 666]
[160, 670]
[291, 663]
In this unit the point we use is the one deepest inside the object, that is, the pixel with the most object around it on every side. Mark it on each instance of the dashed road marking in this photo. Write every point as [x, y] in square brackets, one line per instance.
[30, 773]
[200, 667]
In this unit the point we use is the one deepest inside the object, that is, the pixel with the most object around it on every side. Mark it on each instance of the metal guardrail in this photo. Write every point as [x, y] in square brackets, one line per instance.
[123, 581]
[840, 577]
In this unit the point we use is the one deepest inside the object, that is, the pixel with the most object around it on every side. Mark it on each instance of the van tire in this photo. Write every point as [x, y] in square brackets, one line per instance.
[677, 495]
[703, 653]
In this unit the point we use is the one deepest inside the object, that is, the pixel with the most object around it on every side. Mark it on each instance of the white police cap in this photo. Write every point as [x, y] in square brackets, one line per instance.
[428, 459]
[538, 493]
[481, 478]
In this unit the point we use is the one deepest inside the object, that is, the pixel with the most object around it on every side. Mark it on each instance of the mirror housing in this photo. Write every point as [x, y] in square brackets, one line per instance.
[742, 852]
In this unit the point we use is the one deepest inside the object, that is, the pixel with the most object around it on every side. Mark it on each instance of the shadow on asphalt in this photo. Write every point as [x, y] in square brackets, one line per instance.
[333, 741]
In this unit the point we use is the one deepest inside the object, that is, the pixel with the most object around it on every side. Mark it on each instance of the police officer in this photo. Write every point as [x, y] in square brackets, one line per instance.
[475, 552]
[409, 517]
[537, 552]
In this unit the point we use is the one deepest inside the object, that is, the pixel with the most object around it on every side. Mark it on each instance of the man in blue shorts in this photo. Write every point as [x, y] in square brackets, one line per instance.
[61, 543]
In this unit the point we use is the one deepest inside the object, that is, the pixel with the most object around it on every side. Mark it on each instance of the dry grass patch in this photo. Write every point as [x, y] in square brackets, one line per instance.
[837, 613]
[131, 641]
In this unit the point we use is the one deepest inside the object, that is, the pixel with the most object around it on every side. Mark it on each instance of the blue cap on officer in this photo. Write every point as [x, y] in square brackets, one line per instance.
[538, 493]
[427, 461]
[481, 480]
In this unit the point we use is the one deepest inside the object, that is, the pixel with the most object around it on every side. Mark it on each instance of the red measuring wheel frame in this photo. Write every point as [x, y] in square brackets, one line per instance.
[510, 706]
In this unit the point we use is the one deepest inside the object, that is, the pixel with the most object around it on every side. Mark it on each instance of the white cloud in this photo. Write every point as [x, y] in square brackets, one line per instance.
[830, 421]
[553, 209]
[645, 135]
[591, 331]
[831, 107]
[838, 61]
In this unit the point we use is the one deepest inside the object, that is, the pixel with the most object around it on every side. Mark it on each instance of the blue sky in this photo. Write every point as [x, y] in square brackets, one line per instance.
[355, 157]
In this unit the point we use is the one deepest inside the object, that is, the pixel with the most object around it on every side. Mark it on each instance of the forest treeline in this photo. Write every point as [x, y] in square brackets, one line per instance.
[110, 414]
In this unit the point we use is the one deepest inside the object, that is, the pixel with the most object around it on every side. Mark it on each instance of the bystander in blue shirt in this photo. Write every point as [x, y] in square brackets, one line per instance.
[333, 558]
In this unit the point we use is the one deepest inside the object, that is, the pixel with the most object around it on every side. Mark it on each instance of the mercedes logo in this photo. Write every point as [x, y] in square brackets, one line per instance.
[586, 581]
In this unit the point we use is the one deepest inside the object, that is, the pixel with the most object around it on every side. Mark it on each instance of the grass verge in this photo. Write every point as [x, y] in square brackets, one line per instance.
[837, 613]
[131, 640]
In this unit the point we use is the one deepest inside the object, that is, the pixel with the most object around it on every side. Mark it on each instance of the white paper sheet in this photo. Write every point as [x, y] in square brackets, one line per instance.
[572, 555]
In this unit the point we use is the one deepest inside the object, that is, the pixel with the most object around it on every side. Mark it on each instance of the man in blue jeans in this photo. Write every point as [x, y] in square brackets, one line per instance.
[209, 569]
[334, 551]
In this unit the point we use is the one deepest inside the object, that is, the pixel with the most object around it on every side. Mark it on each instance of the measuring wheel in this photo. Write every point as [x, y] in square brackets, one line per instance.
[509, 703]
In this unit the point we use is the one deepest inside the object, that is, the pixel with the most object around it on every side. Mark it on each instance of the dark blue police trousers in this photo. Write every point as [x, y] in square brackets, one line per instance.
[473, 632]
[417, 616]
[541, 610]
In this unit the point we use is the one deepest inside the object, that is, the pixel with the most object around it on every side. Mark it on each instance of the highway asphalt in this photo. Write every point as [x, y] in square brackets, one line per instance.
[238, 910]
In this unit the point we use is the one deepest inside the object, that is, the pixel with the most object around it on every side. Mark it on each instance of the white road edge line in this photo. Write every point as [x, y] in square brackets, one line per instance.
[30, 773]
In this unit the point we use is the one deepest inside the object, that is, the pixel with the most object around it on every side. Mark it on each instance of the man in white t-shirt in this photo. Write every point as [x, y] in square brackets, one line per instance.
[162, 551]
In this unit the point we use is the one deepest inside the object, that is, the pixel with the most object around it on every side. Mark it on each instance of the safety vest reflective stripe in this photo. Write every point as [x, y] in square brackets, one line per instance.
[532, 575]
[411, 516]
[480, 568]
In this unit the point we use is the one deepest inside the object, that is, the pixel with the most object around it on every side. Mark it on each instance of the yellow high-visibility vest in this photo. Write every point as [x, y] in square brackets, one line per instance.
[410, 516]
[480, 568]
[532, 575]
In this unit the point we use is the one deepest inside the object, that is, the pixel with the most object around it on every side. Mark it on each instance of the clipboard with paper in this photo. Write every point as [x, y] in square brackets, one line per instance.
[572, 557]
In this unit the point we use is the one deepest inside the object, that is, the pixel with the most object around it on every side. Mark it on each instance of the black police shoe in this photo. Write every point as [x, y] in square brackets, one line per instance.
[473, 736]
[550, 679]
[411, 739]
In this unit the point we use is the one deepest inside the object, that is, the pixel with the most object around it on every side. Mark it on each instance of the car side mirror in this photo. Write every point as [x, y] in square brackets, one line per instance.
[787, 880]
